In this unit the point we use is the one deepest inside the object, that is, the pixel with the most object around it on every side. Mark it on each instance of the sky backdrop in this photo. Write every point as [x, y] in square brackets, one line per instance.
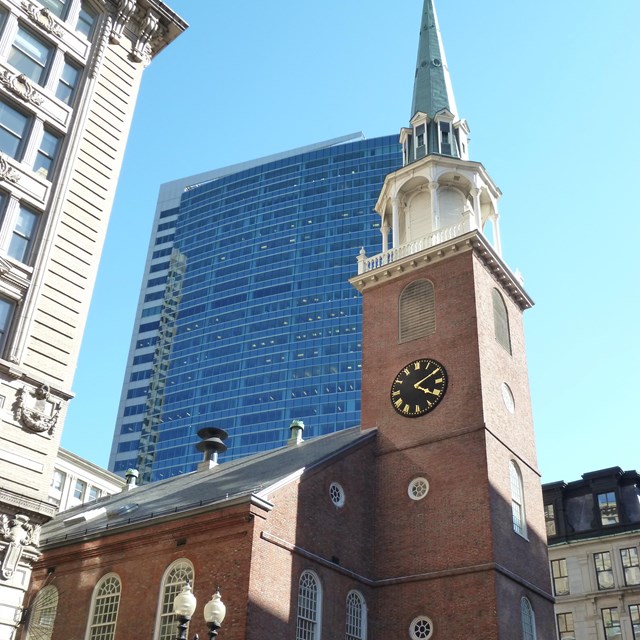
[551, 92]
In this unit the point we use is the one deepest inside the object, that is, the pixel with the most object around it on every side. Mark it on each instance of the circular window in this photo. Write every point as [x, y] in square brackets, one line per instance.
[336, 493]
[418, 488]
[421, 628]
[507, 398]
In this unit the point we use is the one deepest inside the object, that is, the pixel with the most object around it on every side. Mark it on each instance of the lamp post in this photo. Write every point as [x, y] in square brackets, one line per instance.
[214, 612]
[183, 606]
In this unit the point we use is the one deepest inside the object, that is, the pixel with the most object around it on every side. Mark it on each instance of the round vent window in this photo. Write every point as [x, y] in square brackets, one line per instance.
[336, 493]
[418, 488]
[421, 628]
[437, 62]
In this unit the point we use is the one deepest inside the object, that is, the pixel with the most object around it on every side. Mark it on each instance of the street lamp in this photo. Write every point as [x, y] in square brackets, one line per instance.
[214, 612]
[183, 606]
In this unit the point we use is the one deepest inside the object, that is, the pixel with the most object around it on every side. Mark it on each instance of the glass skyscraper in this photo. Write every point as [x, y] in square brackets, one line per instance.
[246, 320]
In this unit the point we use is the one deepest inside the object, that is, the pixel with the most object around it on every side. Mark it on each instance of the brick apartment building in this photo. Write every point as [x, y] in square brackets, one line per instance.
[426, 522]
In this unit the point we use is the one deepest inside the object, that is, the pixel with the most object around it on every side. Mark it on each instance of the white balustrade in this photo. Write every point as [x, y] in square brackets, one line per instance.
[366, 264]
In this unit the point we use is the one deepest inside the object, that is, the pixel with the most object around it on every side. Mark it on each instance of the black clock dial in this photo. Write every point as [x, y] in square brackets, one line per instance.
[418, 388]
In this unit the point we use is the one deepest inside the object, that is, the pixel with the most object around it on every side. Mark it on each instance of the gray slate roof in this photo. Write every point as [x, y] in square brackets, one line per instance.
[214, 489]
[432, 90]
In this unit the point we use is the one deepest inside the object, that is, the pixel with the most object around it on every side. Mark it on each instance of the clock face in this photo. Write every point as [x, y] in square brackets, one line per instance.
[418, 388]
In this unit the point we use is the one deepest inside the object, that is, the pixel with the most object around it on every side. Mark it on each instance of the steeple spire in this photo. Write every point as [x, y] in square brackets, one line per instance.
[432, 89]
[436, 127]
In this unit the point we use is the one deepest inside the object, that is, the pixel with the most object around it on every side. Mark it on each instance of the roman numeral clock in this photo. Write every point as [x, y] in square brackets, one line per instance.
[419, 387]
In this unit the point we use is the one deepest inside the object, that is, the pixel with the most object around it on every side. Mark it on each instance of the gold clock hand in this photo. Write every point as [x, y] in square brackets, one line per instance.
[417, 384]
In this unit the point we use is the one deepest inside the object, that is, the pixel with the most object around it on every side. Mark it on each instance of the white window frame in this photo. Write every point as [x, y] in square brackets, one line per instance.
[518, 512]
[356, 616]
[95, 623]
[174, 578]
[309, 607]
[528, 618]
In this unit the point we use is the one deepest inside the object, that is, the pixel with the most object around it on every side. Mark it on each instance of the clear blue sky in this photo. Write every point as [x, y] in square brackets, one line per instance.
[551, 93]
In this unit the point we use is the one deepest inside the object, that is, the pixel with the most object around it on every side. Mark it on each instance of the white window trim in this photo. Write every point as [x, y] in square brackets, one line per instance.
[94, 596]
[165, 576]
[318, 621]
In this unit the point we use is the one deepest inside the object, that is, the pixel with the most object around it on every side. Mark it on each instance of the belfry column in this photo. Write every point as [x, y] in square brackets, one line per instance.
[395, 222]
[475, 193]
[384, 230]
[435, 210]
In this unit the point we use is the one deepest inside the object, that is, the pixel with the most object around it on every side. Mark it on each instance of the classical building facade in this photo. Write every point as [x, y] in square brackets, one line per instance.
[69, 76]
[76, 481]
[424, 523]
[593, 532]
[245, 317]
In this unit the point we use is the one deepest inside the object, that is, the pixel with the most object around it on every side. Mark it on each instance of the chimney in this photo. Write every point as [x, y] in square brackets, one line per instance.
[297, 427]
[131, 477]
[211, 445]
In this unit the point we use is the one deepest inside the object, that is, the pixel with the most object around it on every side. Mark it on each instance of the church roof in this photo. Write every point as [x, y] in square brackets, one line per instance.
[432, 89]
[223, 485]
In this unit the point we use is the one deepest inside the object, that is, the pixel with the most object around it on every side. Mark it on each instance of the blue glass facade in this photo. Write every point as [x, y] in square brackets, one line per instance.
[247, 318]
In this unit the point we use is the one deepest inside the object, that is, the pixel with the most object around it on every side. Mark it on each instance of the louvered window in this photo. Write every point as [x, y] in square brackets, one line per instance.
[501, 320]
[417, 310]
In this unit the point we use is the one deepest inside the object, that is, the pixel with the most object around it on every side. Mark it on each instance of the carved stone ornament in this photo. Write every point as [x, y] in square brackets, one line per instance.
[142, 51]
[126, 8]
[35, 410]
[19, 533]
[7, 172]
[20, 86]
[42, 17]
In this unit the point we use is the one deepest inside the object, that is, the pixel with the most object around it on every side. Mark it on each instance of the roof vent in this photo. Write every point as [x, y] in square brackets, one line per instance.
[131, 478]
[297, 427]
[211, 445]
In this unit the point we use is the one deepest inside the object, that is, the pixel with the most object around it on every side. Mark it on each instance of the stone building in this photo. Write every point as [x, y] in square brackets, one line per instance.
[69, 77]
[76, 481]
[425, 522]
[593, 531]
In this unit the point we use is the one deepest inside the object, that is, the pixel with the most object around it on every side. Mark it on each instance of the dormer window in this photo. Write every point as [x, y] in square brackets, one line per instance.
[608, 508]
[446, 146]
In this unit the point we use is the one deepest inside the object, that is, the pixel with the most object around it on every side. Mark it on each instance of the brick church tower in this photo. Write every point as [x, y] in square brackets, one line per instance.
[460, 539]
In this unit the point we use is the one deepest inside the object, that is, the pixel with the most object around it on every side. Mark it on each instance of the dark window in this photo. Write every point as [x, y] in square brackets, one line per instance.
[68, 82]
[566, 629]
[560, 577]
[23, 234]
[604, 571]
[631, 565]
[550, 520]
[86, 21]
[6, 313]
[47, 153]
[611, 623]
[634, 614]
[30, 56]
[13, 128]
[608, 508]
[57, 7]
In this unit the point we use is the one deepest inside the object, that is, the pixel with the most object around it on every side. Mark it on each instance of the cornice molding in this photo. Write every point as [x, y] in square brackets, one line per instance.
[471, 241]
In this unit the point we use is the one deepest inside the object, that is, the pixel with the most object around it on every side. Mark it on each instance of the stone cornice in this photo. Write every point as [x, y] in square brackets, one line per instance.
[471, 241]
[43, 510]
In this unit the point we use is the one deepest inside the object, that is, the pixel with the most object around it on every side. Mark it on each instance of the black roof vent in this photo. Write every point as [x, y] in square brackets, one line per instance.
[211, 444]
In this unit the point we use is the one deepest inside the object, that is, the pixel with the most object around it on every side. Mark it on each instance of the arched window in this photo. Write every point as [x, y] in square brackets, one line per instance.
[42, 614]
[174, 579]
[356, 617]
[309, 607]
[104, 610]
[417, 310]
[528, 620]
[517, 500]
[501, 320]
